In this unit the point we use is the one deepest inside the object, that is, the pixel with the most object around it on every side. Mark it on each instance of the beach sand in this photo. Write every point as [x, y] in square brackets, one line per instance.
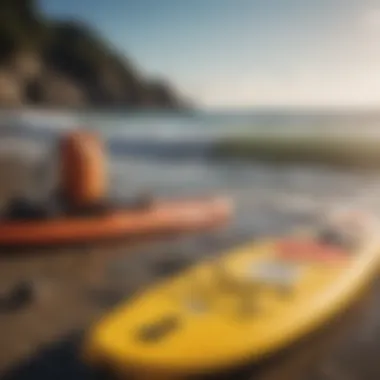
[76, 285]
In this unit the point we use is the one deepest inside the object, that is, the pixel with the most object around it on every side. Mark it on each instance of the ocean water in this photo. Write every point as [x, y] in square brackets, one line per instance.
[205, 125]
[166, 154]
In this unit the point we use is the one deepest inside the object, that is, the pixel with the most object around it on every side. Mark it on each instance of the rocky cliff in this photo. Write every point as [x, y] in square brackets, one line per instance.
[62, 63]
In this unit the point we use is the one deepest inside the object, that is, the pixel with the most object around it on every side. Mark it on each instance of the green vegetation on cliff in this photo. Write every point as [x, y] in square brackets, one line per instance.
[66, 63]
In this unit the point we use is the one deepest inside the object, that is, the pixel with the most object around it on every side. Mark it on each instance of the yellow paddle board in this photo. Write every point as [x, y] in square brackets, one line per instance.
[248, 304]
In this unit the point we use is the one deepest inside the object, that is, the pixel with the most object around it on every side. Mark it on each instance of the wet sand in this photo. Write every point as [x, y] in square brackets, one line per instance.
[76, 285]
[42, 340]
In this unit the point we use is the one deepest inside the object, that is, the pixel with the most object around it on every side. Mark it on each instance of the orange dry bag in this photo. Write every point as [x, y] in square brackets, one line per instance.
[83, 181]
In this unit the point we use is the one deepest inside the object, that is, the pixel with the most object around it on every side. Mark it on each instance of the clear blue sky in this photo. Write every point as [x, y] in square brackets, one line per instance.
[242, 53]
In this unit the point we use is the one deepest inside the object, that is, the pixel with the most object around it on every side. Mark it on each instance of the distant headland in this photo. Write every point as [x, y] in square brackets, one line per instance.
[63, 63]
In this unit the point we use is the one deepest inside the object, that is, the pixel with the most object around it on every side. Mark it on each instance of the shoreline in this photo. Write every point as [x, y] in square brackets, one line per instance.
[97, 109]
